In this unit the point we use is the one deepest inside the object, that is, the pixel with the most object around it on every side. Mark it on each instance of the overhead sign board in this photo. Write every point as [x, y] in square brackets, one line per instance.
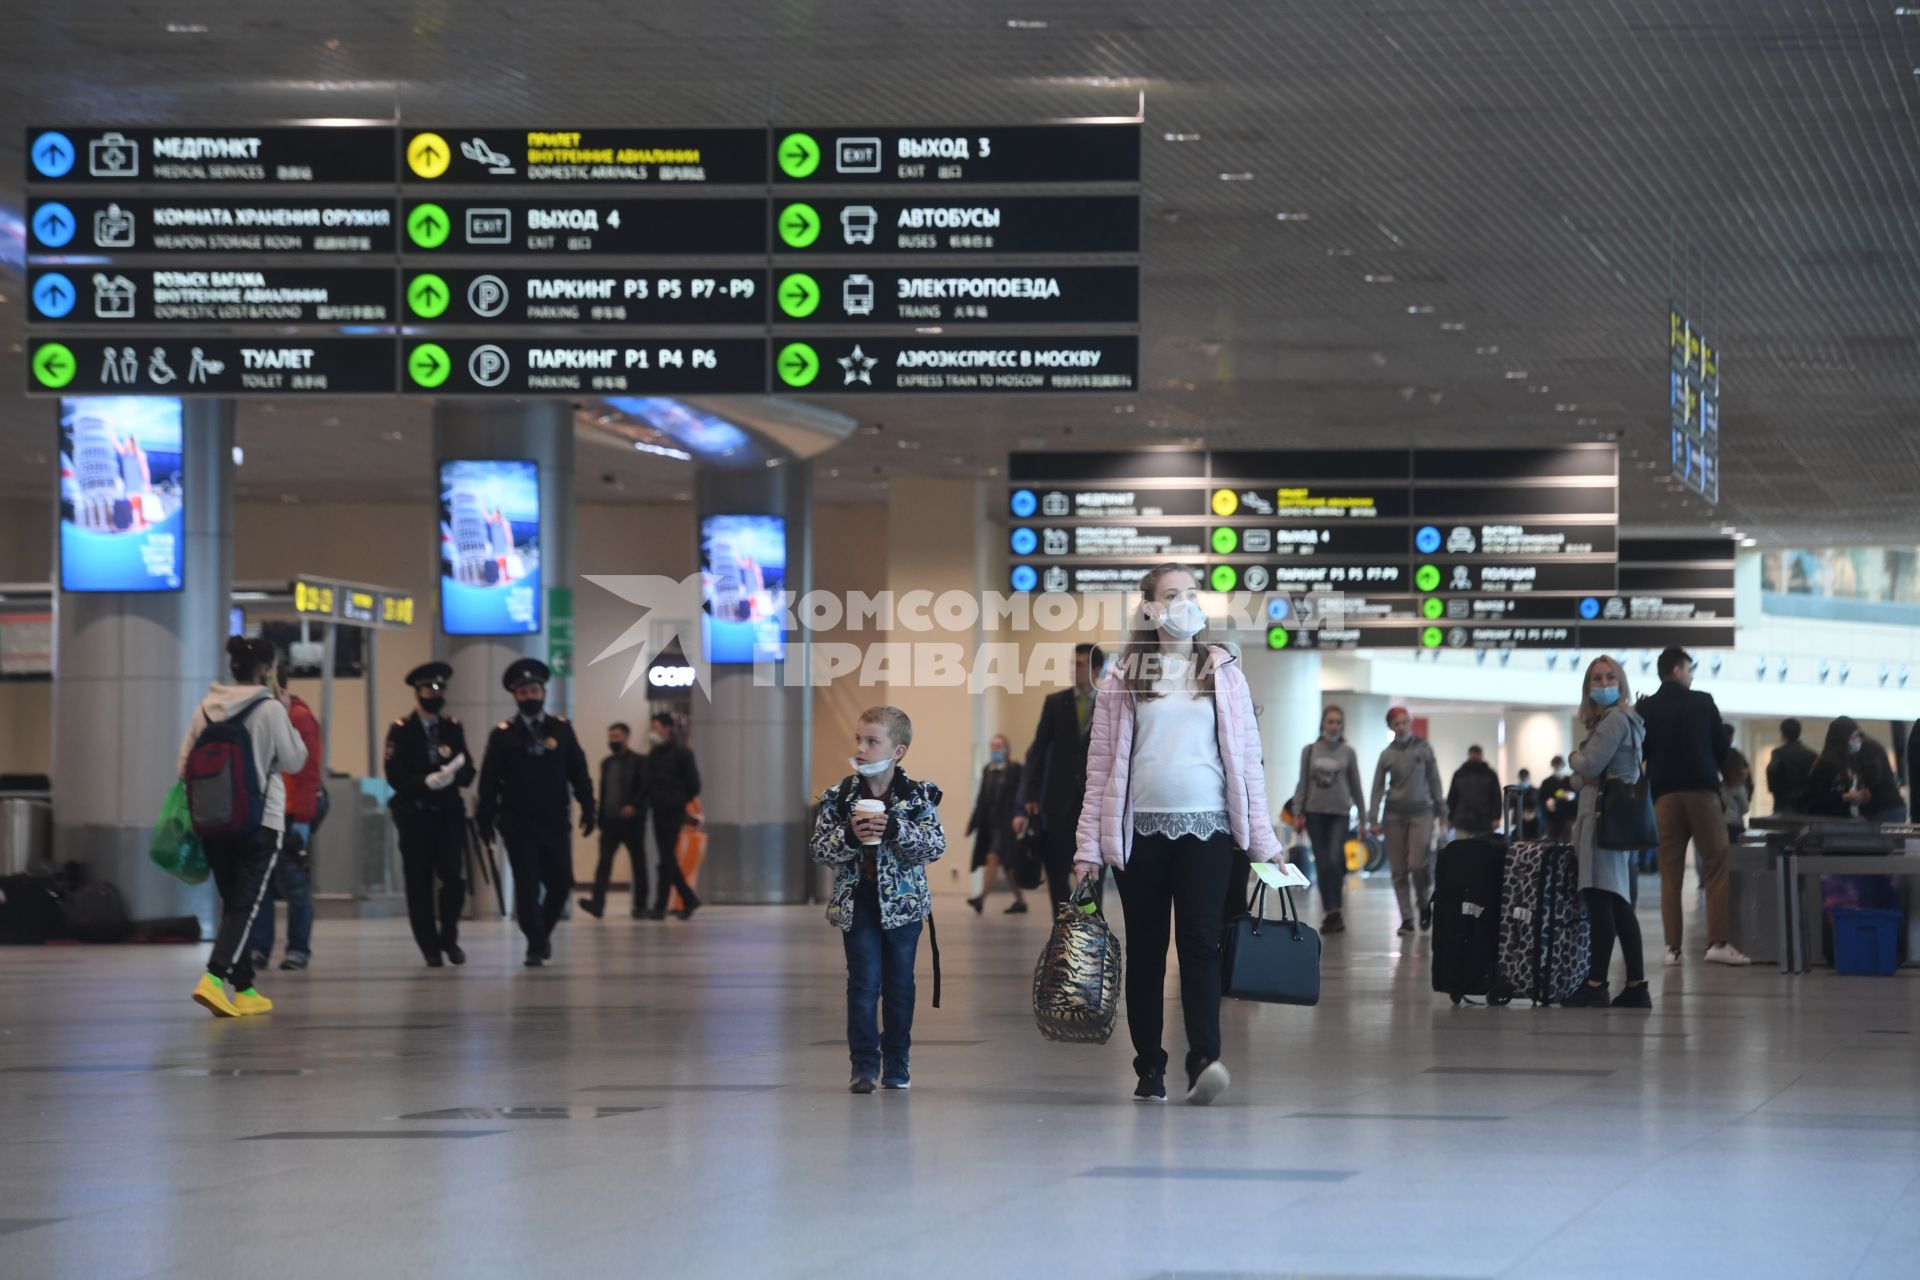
[117, 225]
[512, 296]
[956, 224]
[882, 365]
[583, 225]
[130, 155]
[211, 295]
[149, 365]
[667, 156]
[1103, 152]
[943, 296]
[572, 366]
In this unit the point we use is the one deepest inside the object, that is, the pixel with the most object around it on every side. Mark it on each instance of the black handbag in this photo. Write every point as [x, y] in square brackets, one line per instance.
[1028, 861]
[1272, 961]
[1623, 817]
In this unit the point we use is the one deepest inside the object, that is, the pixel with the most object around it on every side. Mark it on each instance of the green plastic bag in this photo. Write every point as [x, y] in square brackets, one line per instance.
[176, 847]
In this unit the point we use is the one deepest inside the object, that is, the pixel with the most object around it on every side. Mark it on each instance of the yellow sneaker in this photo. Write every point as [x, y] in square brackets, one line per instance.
[250, 1003]
[212, 997]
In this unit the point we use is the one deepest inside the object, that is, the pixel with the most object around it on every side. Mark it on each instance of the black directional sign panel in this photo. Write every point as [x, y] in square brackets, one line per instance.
[956, 223]
[348, 154]
[995, 154]
[845, 366]
[667, 156]
[562, 366]
[200, 366]
[583, 225]
[211, 295]
[986, 295]
[619, 295]
[212, 227]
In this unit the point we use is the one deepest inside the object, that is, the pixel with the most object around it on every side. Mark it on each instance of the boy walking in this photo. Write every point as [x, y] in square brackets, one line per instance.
[878, 829]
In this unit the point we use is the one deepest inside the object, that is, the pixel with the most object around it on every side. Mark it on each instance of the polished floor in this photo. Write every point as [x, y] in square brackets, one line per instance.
[669, 1100]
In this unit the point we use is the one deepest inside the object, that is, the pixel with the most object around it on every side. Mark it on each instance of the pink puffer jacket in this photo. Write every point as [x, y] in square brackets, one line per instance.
[1105, 833]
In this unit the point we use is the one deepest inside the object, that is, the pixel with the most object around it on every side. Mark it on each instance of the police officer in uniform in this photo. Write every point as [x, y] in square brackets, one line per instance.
[427, 765]
[532, 760]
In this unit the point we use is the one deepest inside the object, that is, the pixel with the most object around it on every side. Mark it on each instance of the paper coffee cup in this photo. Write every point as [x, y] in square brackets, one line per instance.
[869, 805]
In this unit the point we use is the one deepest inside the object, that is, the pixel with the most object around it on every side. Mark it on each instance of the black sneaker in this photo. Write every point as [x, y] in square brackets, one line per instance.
[861, 1084]
[1331, 923]
[534, 960]
[1426, 915]
[1406, 927]
[979, 905]
[1635, 996]
[1017, 909]
[259, 959]
[1150, 1089]
[455, 956]
[1587, 997]
[435, 962]
[592, 908]
[294, 962]
[658, 913]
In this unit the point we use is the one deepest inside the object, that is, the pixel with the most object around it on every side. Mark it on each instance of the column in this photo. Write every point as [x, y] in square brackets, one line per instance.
[752, 740]
[540, 431]
[129, 670]
[1286, 692]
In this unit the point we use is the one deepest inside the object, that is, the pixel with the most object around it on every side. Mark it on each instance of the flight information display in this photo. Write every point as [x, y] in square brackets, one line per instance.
[1358, 548]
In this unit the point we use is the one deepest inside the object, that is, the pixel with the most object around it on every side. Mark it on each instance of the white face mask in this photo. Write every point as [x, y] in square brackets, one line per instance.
[1183, 619]
[873, 770]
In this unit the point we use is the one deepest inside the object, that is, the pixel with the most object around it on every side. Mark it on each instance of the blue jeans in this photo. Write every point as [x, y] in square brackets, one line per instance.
[879, 979]
[1327, 833]
[293, 883]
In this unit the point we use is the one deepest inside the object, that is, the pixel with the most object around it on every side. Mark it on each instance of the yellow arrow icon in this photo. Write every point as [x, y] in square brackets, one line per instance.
[427, 155]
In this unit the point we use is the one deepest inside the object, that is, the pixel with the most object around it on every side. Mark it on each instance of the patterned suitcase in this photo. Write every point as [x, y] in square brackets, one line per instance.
[1544, 940]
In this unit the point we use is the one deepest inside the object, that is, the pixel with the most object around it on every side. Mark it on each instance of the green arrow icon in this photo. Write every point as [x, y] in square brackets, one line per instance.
[1277, 638]
[1433, 606]
[799, 155]
[428, 226]
[428, 364]
[427, 296]
[1225, 542]
[1225, 577]
[798, 364]
[799, 295]
[1432, 637]
[54, 365]
[1426, 577]
[799, 225]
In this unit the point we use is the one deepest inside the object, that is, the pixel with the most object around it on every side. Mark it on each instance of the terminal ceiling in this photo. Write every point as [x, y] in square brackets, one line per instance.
[1412, 221]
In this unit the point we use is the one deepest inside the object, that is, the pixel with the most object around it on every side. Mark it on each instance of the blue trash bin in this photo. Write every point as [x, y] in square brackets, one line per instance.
[1866, 941]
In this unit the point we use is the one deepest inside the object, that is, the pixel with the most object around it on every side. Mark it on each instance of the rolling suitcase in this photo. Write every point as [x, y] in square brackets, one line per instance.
[1544, 941]
[1467, 881]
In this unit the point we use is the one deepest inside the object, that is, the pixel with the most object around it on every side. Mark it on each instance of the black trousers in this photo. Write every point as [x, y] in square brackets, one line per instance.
[1609, 916]
[632, 833]
[242, 868]
[1188, 879]
[542, 862]
[666, 838]
[433, 843]
[1056, 852]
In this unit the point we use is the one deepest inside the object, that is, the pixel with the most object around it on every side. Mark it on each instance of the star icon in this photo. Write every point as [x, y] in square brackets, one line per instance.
[858, 367]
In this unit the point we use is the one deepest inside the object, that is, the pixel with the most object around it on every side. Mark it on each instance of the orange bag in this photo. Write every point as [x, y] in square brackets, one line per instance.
[690, 850]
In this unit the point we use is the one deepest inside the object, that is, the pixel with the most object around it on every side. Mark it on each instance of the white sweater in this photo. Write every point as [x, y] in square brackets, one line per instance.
[277, 748]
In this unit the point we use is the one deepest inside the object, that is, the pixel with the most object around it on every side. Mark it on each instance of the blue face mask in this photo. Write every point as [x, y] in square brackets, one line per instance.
[1606, 695]
[999, 757]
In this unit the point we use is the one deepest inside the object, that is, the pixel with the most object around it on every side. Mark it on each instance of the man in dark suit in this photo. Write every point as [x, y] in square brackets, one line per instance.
[673, 782]
[623, 805]
[427, 765]
[1789, 770]
[532, 761]
[1053, 783]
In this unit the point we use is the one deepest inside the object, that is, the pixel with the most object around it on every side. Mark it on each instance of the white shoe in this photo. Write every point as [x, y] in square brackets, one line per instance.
[1727, 953]
[1209, 1084]
[1671, 957]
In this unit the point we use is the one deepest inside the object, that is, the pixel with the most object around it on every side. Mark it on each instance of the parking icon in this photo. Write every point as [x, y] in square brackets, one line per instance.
[856, 155]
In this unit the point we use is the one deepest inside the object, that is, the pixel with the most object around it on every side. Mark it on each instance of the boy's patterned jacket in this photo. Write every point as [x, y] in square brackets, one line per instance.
[914, 838]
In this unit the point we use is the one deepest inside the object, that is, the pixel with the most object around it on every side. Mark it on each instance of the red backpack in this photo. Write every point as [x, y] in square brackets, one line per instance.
[224, 793]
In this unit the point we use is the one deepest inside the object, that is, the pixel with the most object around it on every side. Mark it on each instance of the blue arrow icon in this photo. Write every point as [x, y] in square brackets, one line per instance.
[1024, 503]
[1427, 540]
[53, 224]
[53, 295]
[1590, 607]
[1277, 610]
[1024, 578]
[52, 155]
[1024, 542]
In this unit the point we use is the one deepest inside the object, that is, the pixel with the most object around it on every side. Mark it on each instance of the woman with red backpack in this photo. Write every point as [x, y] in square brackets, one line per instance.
[239, 744]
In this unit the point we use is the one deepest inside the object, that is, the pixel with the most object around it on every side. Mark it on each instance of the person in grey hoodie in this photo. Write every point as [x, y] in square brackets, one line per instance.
[1406, 784]
[242, 864]
[1328, 793]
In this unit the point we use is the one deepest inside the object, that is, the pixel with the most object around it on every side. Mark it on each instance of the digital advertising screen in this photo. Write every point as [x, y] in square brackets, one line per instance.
[120, 494]
[743, 569]
[489, 548]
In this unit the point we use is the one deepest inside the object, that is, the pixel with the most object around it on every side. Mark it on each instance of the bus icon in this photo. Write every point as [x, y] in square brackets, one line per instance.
[857, 222]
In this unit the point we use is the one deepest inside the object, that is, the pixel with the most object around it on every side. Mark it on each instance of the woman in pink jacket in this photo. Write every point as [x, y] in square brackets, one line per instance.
[1175, 786]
